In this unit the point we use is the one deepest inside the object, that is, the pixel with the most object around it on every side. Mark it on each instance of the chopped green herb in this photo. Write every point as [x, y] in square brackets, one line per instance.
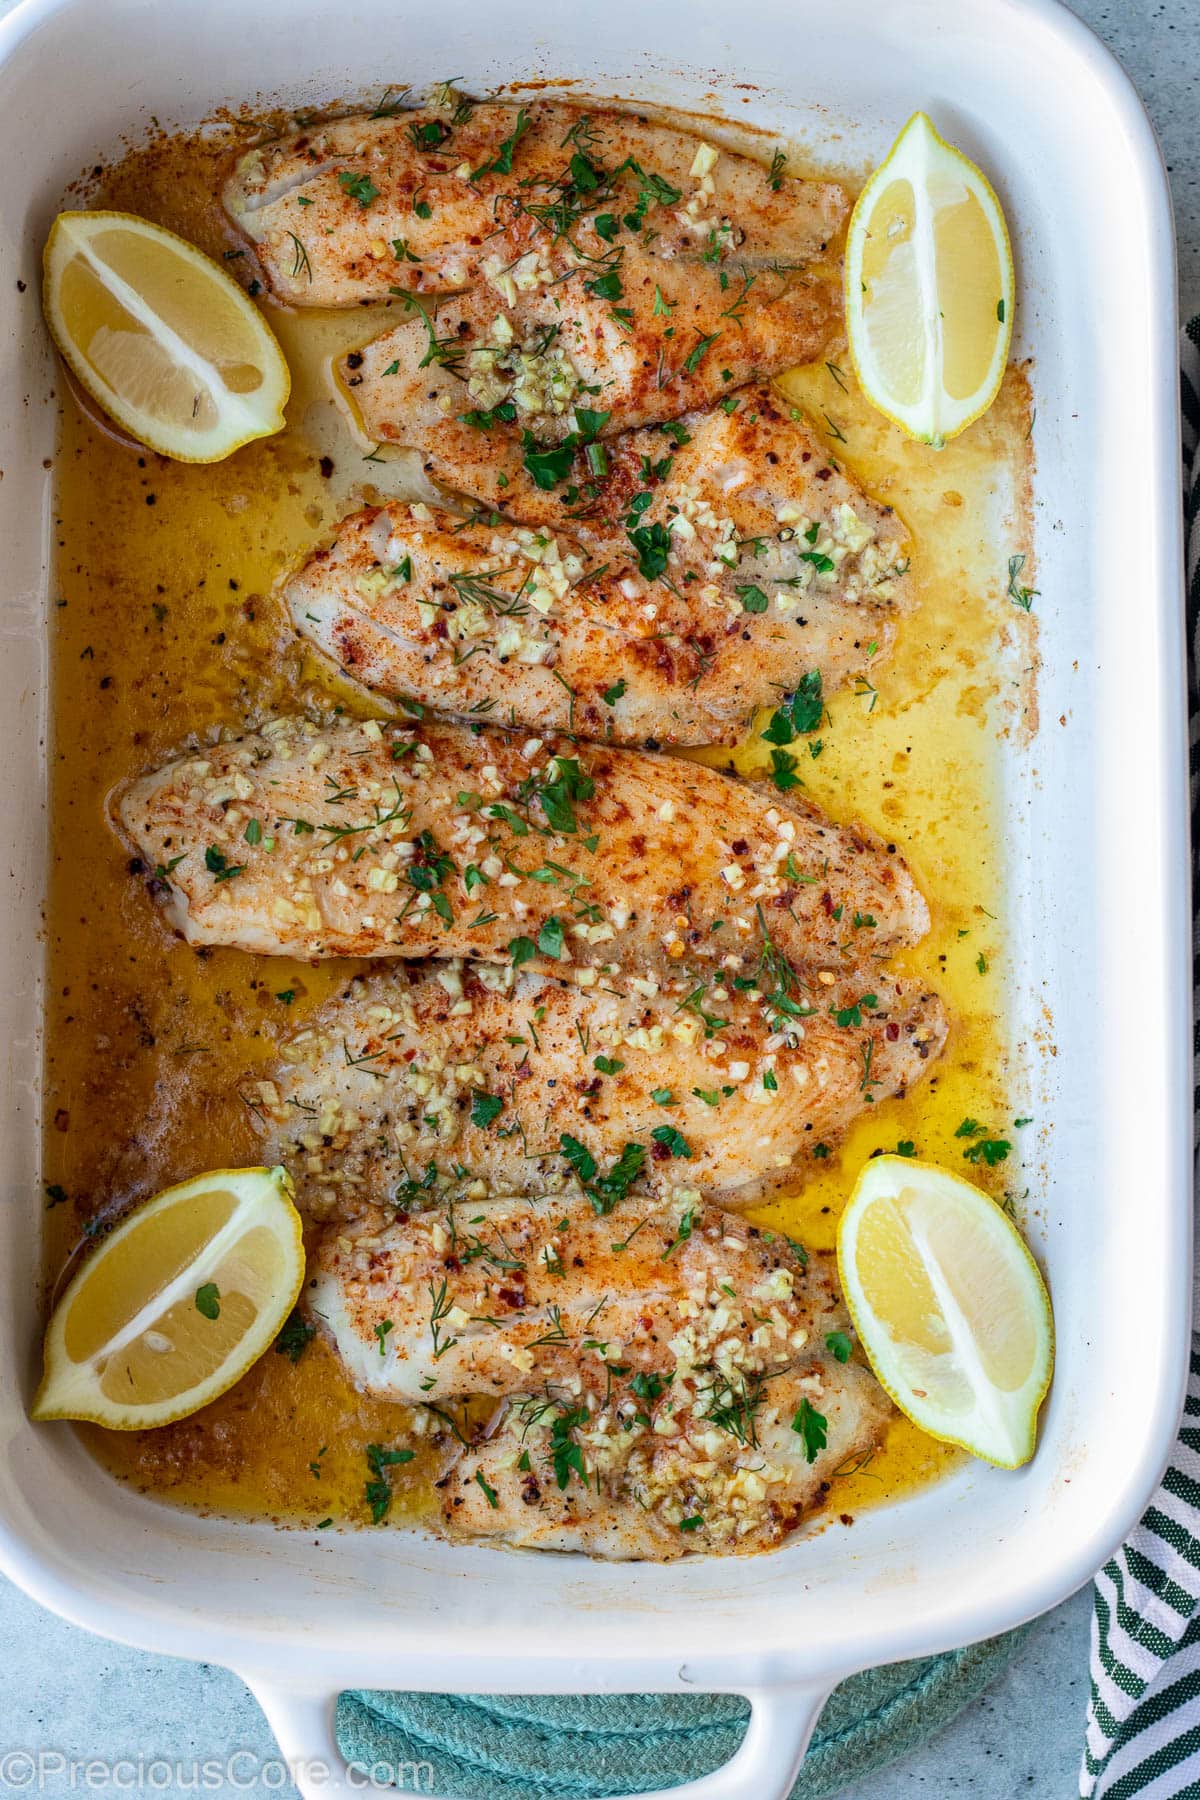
[783, 771]
[603, 1190]
[988, 1150]
[485, 1108]
[358, 187]
[208, 1300]
[653, 545]
[501, 163]
[1020, 596]
[294, 1338]
[800, 714]
[811, 1426]
[682, 1234]
[502, 414]
[378, 1491]
[671, 1140]
[219, 867]
[606, 286]
[550, 938]
[567, 782]
[692, 360]
[851, 1017]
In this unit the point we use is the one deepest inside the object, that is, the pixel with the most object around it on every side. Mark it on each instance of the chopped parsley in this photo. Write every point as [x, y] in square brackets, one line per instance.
[984, 1149]
[485, 1108]
[666, 1135]
[682, 1234]
[502, 162]
[811, 1426]
[358, 187]
[550, 939]
[988, 1150]
[800, 713]
[294, 1338]
[208, 1300]
[219, 866]
[653, 546]
[603, 1190]
[567, 782]
[851, 1017]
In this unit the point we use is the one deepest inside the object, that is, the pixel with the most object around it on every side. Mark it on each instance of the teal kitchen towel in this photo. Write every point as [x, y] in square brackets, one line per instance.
[557, 1747]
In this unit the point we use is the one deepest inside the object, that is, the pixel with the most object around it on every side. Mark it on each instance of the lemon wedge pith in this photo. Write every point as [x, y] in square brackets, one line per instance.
[161, 337]
[929, 287]
[949, 1305]
[176, 1303]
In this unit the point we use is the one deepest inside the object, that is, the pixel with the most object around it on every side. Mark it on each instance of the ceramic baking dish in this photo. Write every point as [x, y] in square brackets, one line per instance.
[1096, 835]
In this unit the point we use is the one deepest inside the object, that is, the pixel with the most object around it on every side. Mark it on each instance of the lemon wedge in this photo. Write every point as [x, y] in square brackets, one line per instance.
[949, 1305]
[176, 1304]
[929, 287]
[161, 337]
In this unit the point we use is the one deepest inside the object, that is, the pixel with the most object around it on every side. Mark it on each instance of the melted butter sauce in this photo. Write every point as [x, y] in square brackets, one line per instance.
[164, 627]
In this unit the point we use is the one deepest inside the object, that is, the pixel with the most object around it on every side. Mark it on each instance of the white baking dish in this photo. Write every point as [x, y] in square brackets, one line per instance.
[1096, 837]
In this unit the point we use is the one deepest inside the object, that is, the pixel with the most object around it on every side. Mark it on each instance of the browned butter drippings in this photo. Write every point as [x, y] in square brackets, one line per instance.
[164, 627]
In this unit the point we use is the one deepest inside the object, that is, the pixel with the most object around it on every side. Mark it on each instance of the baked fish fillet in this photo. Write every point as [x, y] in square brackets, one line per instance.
[611, 261]
[760, 562]
[376, 839]
[346, 210]
[426, 1079]
[472, 366]
[670, 1374]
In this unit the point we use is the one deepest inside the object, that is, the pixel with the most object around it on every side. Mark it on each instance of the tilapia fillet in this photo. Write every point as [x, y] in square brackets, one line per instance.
[553, 368]
[346, 210]
[588, 256]
[670, 1376]
[422, 1080]
[774, 564]
[380, 840]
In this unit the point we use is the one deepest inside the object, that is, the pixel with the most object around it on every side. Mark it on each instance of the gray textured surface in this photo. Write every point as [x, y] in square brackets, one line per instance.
[73, 1695]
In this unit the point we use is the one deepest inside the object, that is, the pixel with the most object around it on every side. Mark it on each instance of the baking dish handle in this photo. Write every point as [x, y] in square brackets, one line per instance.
[765, 1764]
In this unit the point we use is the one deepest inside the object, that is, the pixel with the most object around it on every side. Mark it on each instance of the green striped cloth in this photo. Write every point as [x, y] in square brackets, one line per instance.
[1143, 1727]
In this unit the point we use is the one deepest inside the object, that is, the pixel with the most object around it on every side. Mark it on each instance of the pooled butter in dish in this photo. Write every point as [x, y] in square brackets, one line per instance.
[732, 984]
